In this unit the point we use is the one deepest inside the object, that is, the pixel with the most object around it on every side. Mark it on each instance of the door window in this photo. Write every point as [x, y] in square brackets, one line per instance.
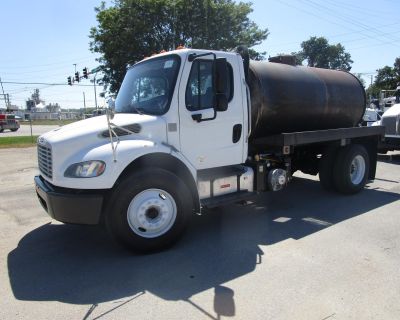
[200, 91]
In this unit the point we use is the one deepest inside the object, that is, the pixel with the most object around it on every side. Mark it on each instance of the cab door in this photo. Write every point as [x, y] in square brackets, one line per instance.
[209, 142]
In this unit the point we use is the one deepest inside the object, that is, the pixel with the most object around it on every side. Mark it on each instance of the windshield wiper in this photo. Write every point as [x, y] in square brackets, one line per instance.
[131, 106]
[138, 110]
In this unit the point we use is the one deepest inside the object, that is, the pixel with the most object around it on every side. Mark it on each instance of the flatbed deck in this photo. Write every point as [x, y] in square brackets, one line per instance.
[317, 136]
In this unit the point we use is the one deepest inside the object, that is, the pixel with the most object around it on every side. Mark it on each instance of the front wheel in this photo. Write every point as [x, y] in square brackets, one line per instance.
[351, 169]
[149, 210]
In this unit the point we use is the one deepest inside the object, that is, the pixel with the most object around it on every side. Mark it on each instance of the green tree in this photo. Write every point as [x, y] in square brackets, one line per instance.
[373, 91]
[397, 66]
[359, 77]
[317, 52]
[130, 30]
[53, 107]
[386, 79]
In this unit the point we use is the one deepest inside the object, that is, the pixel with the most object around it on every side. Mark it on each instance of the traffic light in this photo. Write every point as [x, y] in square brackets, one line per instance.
[69, 81]
[77, 76]
[85, 73]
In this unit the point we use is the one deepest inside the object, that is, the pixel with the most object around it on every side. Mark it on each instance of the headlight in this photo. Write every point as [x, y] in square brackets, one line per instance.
[87, 169]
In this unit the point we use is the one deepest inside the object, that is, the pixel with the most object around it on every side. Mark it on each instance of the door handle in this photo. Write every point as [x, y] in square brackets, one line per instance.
[236, 133]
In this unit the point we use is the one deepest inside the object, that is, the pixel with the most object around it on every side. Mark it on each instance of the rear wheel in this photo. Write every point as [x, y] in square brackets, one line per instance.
[149, 210]
[13, 130]
[350, 172]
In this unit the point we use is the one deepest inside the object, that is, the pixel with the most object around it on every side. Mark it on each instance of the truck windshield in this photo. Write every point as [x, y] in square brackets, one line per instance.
[148, 86]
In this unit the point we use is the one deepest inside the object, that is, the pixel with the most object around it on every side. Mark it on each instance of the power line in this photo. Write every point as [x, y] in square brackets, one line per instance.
[340, 35]
[51, 84]
[334, 22]
[310, 13]
[362, 10]
[39, 66]
[350, 20]
[372, 45]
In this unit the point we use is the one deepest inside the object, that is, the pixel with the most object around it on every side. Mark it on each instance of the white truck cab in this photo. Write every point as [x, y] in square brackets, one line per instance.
[165, 121]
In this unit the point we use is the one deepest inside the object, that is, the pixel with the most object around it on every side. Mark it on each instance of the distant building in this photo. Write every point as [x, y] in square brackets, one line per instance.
[40, 112]
[11, 108]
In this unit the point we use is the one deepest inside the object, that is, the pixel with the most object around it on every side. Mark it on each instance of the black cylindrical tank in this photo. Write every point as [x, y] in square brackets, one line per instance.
[287, 98]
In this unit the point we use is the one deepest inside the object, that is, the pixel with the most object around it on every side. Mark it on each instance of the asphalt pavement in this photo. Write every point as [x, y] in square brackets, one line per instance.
[300, 253]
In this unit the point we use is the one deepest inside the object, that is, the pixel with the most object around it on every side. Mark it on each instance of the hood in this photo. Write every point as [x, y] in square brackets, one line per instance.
[72, 142]
[96, 129]
[393, 111]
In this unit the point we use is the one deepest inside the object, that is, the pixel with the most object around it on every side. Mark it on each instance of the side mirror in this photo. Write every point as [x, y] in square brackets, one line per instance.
[221, 75]
[221, 102]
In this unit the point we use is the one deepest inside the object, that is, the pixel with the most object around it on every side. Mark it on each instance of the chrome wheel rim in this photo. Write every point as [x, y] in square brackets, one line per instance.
[151, 213]
[357, 169]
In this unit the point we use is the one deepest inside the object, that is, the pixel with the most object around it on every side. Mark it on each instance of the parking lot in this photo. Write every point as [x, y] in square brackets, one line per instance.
[25, 130]
[301, 253]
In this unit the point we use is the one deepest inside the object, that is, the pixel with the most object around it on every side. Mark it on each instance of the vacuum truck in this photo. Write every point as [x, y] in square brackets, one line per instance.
[195, 129]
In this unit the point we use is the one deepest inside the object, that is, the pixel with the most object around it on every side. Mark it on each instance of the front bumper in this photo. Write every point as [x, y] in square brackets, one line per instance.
[69, 205]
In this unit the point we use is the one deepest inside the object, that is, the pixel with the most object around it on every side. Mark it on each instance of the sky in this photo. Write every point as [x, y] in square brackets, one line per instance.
[43, 39]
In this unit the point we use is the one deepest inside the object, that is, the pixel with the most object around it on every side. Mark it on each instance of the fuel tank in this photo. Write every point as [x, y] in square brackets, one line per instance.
[288, 98]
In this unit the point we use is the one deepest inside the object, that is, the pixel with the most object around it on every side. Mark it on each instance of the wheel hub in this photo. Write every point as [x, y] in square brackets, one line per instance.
[357, 169]
[151, 213]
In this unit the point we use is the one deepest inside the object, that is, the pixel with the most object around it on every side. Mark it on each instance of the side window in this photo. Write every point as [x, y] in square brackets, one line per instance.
[199, 91]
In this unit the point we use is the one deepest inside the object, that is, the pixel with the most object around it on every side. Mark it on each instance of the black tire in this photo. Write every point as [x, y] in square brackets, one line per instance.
[129, 232]
[13, 130]
[345, 166]
[1, 130]
[326, 168]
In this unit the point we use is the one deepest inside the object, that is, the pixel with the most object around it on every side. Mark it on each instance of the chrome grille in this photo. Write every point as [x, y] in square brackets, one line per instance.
[45, 159]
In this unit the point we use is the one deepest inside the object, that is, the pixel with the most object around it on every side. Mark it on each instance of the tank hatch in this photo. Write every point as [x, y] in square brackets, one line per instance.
[284, 59]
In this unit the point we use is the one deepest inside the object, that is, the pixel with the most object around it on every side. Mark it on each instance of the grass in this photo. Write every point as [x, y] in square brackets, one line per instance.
[18, 142]
[47, 122]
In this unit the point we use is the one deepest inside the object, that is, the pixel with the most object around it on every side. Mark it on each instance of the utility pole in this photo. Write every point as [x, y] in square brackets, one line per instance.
[5, 96]
[95, 71]
[84, 105]
[95, 93]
